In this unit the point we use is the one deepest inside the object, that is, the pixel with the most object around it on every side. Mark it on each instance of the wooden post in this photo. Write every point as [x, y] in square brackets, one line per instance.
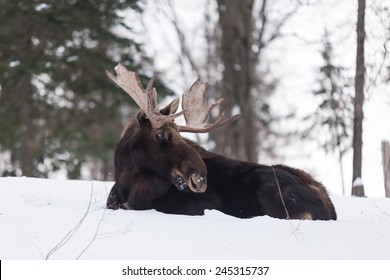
[386, 166]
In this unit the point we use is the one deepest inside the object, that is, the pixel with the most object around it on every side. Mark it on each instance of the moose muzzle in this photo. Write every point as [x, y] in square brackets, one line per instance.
[195, 182]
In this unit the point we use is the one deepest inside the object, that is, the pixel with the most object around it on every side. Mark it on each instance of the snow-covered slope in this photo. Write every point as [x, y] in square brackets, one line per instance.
[68, 220]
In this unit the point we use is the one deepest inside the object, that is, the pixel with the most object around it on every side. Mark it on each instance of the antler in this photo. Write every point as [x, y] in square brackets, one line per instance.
[130, 83]
[196, 110]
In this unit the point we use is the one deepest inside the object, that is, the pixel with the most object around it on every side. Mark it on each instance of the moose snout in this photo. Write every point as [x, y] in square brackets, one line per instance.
[195, 182]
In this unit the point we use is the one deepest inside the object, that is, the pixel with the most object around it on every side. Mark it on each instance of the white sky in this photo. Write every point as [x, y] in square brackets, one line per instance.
[295, 61]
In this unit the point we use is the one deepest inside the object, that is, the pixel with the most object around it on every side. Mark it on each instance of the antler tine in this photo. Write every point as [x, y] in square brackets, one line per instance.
[131, 84]
[196, 110]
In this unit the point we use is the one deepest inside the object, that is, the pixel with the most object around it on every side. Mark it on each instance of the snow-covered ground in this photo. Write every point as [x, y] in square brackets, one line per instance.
[68, 220]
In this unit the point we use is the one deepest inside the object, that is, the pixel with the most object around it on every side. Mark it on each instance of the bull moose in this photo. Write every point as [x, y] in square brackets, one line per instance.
[156, 168]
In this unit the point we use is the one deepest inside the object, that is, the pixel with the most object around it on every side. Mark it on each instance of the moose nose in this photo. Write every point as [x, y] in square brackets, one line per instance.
[199, 183]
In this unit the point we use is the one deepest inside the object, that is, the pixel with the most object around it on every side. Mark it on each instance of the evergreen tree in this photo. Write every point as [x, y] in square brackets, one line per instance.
[331, 123]
[56, 104]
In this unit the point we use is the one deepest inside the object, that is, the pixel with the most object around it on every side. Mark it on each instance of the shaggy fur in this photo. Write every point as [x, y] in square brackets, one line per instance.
[143, 180]
[249, 189]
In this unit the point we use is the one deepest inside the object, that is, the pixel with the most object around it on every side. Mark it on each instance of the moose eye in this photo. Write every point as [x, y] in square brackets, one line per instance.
[162, 136]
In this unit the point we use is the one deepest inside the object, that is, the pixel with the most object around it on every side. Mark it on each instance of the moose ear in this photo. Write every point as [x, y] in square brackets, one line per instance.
[171, 108]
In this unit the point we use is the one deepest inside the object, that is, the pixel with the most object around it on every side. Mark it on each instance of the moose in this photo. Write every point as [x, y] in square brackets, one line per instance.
[156, 168]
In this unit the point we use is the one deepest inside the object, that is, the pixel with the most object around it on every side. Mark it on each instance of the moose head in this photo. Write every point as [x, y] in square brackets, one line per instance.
[153, 141]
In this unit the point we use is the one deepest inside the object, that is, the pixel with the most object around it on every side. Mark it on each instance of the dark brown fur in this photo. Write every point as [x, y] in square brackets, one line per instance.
[248, 189]
[156, 168]
[147, 164]
[237, 188]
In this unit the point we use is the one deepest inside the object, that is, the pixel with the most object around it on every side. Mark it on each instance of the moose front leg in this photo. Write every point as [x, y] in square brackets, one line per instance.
[114, 200]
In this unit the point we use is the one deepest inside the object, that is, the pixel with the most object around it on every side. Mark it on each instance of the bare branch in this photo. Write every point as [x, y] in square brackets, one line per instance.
[185, 50]
[94, 236]
[263, 18]
[73, 231]
[265, 25]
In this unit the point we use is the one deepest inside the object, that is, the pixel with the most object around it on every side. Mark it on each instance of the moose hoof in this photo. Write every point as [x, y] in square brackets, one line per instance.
[181, 184]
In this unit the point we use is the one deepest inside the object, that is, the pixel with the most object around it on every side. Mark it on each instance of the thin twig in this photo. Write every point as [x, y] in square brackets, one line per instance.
[110, 234]
[380, 209]
[280, 193]
[185, 50]
[73, 231]
[32, 242]
[295, 230]
[94, 236]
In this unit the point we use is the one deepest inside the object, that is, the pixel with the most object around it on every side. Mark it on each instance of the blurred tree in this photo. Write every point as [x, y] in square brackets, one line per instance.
[56, 105]
[378, 31]
[235, 20]
[357, 186]
[247, 29]
[331, 122]
[236, 67]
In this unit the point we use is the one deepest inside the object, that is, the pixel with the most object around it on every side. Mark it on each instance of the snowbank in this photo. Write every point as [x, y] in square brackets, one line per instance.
[38, 215]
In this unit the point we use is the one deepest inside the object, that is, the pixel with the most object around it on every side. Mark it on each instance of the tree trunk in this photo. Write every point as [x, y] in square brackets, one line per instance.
[238, 140]
[386, 166]
[26, 92]
[26, 136]
[358, 190]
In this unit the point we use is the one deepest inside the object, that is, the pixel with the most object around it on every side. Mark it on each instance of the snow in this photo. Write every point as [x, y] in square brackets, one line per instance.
[37, 214]
[357, 182]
